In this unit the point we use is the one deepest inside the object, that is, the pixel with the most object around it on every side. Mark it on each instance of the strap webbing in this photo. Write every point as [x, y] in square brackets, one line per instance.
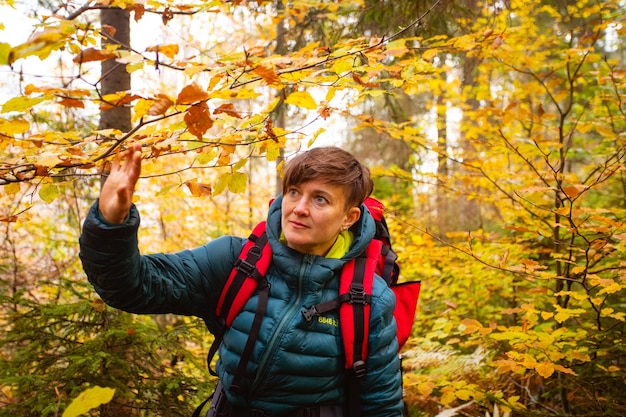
[261, 307]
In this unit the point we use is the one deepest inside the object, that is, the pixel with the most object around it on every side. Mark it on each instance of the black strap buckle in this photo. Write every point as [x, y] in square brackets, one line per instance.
[248, 265]
[309, 313]
[359, 368]
[357, 294]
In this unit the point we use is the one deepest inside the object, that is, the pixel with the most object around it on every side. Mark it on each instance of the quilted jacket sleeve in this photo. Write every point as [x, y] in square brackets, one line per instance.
[186, 283]
[382, 387]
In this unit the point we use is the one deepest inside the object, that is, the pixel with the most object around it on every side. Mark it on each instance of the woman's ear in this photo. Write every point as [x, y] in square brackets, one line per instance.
[352, 216]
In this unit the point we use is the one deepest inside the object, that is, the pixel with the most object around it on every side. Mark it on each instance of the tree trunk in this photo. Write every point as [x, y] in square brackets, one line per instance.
[114, 77]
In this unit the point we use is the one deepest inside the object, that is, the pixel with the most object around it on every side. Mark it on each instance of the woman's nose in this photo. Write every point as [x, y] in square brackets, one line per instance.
[301, 206]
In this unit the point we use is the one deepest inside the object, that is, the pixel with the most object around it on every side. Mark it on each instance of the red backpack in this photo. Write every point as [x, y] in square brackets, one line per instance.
[353, 301]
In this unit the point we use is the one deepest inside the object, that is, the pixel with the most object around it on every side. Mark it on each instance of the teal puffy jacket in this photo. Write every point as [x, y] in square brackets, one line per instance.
[295, 362]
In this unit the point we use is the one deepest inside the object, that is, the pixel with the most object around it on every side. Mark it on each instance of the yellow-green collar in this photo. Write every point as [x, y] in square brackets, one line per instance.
[339, 248]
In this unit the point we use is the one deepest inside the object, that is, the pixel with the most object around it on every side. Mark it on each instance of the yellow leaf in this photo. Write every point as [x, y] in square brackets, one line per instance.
[48, 161]
[41, 44]
[471, 326]
[562, 211]
[564, 370]
[301, 99]
[429, 54]
[192, 70]
[13, 127]
[48, 193]
[88, 400]
[342, 66]
[12, 188]
[426, 388]
[240, 164]
[221, 183]
[21, 104]
[565, 313]
[463, 394]
[5, 50]
[235, 181]
[546, 315]
[330, 94]
[545, 369]
[141, 108]
[238, 182]
[447, 397]
[611, 289]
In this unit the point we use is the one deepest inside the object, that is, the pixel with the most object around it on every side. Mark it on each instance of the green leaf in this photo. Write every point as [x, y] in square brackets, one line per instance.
[88, 400]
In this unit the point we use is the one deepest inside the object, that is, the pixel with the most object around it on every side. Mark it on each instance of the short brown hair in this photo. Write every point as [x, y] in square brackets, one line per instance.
[332, 165]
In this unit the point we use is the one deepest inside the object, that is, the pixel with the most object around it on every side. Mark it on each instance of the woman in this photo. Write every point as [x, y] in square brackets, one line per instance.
[314, 227]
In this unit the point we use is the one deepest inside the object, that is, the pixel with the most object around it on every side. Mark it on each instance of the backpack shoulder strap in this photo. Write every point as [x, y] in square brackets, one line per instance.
[355, 289]
[357, 280]
[248, 272]
[250, 267]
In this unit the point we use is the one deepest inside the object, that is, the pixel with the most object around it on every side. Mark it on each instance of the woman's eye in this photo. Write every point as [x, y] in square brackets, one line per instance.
[321, 200]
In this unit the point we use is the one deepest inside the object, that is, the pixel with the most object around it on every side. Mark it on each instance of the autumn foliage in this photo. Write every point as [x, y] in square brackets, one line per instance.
[496, 133]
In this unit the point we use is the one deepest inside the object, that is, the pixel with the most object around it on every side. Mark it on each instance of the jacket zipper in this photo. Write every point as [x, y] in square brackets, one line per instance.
[293, 309]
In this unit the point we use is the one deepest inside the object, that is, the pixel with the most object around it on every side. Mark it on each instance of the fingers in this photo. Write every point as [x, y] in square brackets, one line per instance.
[133, 163]
[131, 156]
[117, 192]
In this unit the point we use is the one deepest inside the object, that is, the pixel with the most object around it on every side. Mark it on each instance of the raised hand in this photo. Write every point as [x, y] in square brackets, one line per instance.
[117, 192]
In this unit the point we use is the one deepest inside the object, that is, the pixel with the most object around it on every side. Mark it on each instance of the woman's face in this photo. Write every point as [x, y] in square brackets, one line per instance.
[313, 214]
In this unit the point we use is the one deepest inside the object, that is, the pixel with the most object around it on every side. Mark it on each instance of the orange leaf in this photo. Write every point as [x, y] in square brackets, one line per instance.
[169, 51]
[110, 30]
[256, 51]
[268, 74]
[360, 81]
[191, 94]
[198, 119]
[117, 100]
[139, 10]
[574, 191]
[160, 105]
[10, 219]
[324, 111]
[198, 189]
[166, 16]
[72, 102]
[93, 54]
[269, 128]
[229, 109]
[98, 305]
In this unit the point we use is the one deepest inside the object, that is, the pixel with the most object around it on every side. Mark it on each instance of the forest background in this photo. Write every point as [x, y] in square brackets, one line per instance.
[495, 131]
